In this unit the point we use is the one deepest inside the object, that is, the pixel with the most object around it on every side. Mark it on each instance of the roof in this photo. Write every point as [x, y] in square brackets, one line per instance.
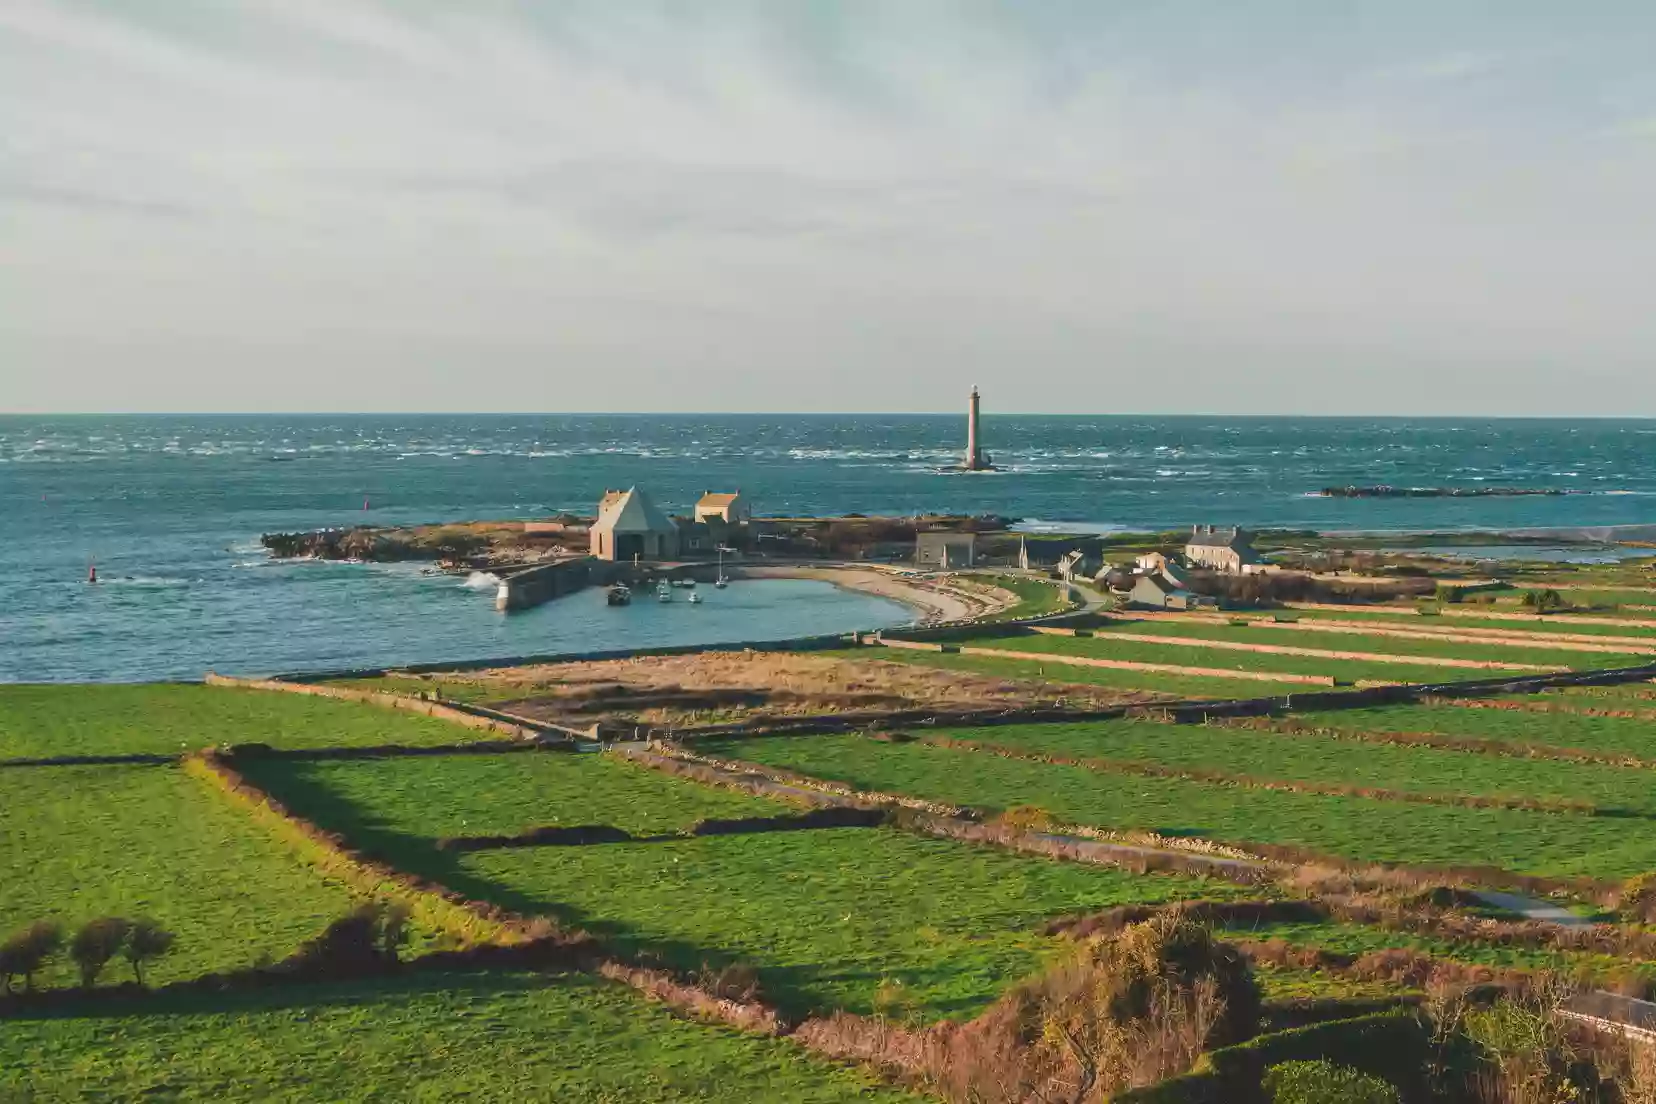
[708, 498]
[633, 512]
[610, 499]
[1158, 582]
[1221, 538]
[945, 536]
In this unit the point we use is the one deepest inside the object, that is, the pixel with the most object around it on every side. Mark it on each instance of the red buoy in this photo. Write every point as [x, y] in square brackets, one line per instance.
[92, 573]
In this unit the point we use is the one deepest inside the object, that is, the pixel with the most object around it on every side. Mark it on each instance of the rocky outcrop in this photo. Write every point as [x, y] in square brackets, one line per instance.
[368, 543]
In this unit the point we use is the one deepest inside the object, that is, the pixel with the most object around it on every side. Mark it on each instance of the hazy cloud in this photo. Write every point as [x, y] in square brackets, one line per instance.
[784, 204]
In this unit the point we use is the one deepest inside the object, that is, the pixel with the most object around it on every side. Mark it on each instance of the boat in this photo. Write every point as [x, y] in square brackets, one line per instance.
[619, 595]
[664, 593]
[721, 582]
[695, 599]
[688, 584]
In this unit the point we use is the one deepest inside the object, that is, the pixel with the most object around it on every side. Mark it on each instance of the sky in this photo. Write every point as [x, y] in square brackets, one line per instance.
[1088, 206]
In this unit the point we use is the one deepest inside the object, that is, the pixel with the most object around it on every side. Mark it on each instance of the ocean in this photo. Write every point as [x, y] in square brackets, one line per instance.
[171, 509]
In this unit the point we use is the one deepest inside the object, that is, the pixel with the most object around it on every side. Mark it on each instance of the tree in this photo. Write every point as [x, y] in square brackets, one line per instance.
[96, 943]
[145, 942]
[28, 950]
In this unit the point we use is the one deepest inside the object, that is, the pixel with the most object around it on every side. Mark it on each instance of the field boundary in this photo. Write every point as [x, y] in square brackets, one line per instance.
[469, 922]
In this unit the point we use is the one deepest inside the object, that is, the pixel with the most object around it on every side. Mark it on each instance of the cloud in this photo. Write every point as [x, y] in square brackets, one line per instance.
[809, 203]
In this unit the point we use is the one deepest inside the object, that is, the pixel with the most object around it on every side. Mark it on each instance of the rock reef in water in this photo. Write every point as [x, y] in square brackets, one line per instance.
[1440, 492]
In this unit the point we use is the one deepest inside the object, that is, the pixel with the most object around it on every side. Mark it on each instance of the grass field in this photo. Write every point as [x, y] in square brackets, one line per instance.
[1176, 686]
[861, 919]
[1035, 597]
[1411, 617]
[454, 689]
[1325, 760]
[1356, 828]
[1191, 655]
[389, 803]
[82, 842]
[828, 916]
[1493, 652]
[495, 1037]
[1620, 735]
[38, 721]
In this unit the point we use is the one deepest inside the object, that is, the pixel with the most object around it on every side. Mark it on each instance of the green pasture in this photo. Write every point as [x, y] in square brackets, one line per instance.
[832, 918]
[1194, 655]
[391, 804]
[453, 688]
[169, 719]
[1612, 735]
[1035, 597]
[426, 1037]
[1054, 674]
[1356, 828]
[1410, 617]
[861, 919]
[1493, 652]
[1324, 760]
[83, 842]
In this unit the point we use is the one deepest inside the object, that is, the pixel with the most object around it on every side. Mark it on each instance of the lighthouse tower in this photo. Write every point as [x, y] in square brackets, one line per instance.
[976, 458]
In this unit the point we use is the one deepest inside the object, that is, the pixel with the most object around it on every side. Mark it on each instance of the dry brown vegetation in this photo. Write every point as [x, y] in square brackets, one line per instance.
[723, 687]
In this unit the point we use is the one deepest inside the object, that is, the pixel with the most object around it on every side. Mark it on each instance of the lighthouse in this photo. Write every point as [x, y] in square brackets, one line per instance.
[976, 458]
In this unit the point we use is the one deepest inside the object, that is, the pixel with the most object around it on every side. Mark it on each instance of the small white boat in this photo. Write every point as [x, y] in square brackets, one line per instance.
[619, 595]
[695, 599]
[664, 593]
[721, 582]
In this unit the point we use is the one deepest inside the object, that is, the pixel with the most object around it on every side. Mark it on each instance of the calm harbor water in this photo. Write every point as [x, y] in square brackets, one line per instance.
[171, 508]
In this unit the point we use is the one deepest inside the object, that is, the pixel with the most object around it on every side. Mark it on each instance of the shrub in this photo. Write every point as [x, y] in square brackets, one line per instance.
[1025, 818]
[25, 952]
[96, 943]
[1447, 593]
[363, 942]
[1322, 1082]
[738, 981]
[146, 941]
[1126, 1010]
[1542, 601]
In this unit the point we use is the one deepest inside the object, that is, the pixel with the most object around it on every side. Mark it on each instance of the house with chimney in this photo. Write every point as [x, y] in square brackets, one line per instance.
[1227, 551]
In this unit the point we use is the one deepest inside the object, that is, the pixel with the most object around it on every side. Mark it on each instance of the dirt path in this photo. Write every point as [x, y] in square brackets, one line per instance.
[1532, 908]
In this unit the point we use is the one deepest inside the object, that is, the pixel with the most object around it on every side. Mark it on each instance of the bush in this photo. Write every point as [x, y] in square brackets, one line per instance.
[1025, 818]
[1542, 601]
[1129, 1009]
[1322, 1082]
[96, 943]
[365, 941]
[1447, 593]
[26, 951]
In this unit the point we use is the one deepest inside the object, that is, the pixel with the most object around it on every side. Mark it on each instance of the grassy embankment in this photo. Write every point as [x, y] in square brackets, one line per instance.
[484, 1037]
[842, 918]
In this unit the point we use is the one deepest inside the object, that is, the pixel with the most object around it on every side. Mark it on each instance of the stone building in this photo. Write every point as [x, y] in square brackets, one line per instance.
[629, 526]
[1222, 550]
[1156, 591]
[943, 549]
[732, 508]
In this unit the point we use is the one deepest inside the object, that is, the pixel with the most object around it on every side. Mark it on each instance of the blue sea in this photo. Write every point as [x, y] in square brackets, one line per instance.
[171, 509]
